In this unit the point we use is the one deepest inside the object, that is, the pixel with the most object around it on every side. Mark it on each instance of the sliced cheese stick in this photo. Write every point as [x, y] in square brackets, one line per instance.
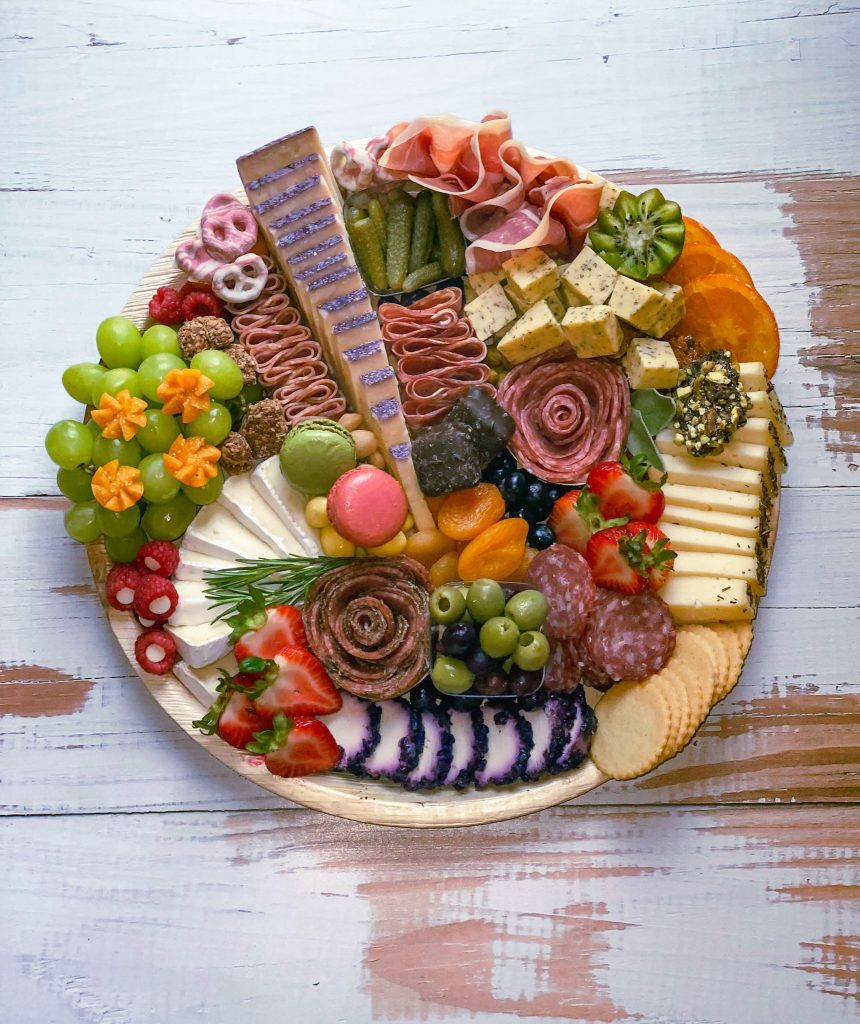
[708, 599]
[692, 538]
[711, 563]
[711, 499]
[696, 472]
[727, 522]
[753, 377]
[736, 453]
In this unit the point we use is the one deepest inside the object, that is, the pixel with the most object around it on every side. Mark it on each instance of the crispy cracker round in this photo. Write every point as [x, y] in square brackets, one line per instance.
[691, 696]
[693, 657]
[677, 712]
[731, 646]
[718, 651]
[632, 726]
[681, 698]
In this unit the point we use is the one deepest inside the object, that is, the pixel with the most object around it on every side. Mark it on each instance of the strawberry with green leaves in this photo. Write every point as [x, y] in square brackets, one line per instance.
[630, 558]
[624, 488]
[233, 714]
[261, 632]
[296, 746]
[576, 516]
[294, 682]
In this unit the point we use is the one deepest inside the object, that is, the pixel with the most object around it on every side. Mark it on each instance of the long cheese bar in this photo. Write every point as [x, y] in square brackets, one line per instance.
[297, 205]
[708, 599]
[711, 563]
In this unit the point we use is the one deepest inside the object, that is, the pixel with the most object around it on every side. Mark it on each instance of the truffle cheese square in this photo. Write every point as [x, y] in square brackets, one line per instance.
[589, 278]
[592, 331]
[532, 275]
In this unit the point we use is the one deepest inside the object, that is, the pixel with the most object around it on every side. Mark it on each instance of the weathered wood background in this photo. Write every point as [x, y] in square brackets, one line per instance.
[143, 881]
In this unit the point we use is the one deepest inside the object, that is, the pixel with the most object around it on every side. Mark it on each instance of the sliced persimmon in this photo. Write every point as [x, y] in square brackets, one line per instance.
[696, 232]
[723, 312]
[703, 258]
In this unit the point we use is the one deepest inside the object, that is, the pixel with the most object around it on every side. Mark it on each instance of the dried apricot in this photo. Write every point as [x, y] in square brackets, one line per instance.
[496, 553]
[465, 514]
[520, 575]
[426, 546]
[444, 569]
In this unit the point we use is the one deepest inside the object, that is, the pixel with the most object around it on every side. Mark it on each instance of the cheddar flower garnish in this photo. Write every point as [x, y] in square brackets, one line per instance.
[117, 487]
[185, 391]
[192, 461]
[120, 415]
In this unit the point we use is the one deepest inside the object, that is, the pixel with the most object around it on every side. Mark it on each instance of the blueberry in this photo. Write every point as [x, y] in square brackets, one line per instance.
[540, 536]
[500, 467]
[514, 486]
[458, 639]
[424, 696]
[532, 700]
[515, 511]
[538, 499]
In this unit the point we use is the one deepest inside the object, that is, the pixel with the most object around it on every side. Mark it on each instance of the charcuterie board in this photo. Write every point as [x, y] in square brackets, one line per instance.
[431, 536]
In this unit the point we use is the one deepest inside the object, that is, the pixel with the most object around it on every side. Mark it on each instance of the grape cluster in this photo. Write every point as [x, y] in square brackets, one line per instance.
[526, 497]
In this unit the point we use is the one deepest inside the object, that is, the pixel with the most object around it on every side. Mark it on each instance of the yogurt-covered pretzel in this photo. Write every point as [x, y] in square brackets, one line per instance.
[241, 281]
[228, 230]
[194, 261]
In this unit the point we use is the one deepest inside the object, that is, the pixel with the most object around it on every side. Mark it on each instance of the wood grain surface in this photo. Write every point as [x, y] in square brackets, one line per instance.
[143, 880]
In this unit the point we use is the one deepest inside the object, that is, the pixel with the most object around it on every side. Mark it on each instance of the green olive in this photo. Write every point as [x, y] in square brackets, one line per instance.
[528, 609]
[447, 604]
[499, 636]
[450, 675]
[486, 600]
[532, 651]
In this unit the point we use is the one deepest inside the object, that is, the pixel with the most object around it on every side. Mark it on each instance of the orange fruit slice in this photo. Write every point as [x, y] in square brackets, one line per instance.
[703, 258]
[723, 312]
[696, 232]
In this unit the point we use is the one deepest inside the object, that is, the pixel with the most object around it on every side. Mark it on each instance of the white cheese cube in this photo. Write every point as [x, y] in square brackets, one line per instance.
[651, 364]
[592, 331]
[637, 303]
[486, 279]
[589, 278]
[516, 299]
[708, 599]
[609, 192]
[692, 538]
[469, 293]
[535, 332]
[490, 312]
[674, 311]
[532, 274]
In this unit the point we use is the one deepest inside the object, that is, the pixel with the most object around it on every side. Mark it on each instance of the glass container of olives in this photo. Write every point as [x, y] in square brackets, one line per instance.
[486, 640]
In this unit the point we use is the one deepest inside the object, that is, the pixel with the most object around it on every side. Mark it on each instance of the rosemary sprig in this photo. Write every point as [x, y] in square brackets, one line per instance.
[279, 580]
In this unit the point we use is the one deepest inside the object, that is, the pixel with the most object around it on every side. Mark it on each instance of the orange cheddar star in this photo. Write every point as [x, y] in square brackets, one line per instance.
[120, 415]
[117, 487]
[185, 391]
[192, 461]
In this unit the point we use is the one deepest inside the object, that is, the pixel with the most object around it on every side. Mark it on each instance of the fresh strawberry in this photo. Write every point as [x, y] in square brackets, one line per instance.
[630, 558]
[625, 489]
[296, 683]
[295, 747]
[575, 517]
[233, 715]
[261, 632]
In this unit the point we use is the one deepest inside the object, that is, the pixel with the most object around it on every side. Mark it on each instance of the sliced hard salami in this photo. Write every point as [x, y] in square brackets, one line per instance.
[569, 665]
[629, 636]
[563, 576]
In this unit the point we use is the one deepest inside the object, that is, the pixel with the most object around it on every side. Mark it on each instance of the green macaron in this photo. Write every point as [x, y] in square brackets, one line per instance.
[315, 453]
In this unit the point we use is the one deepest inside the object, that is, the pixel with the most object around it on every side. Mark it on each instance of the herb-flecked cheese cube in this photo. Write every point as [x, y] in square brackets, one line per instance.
[650, 364]
[532, 274]
[588, 279]
[708, 599]
[675, 309]
[486, 279]
[753, 376]
[516, 299]
[637, 303]
[610, 191]
[490, 312]
[556, 303]
[592, 331]
[535, 332]
[469, 293]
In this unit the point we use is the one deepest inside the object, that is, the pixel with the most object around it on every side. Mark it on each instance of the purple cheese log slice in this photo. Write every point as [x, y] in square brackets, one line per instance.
[469, 747]
[576, 750]
[508, 747]
[550, 733]
[355, 728]
[434, 761]
[401, 737]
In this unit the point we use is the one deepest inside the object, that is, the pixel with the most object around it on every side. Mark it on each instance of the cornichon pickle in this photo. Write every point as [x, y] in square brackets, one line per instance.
[368, 249]
[377, 214]
[401, 212]
[353, 214]
[422, 232]
[452, 248]
[641, 236]
[427, 274]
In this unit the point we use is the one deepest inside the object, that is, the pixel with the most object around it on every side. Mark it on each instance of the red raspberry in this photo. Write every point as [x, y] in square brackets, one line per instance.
[198, 301]
[120, 586]
[165, 307]
[158, 556]
[155, 598]
[155, 651]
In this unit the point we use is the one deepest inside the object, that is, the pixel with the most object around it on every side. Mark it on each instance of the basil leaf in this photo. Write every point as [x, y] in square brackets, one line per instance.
[655, 409]
[640, 441]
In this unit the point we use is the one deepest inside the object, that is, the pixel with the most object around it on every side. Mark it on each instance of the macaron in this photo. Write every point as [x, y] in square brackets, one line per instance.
[315, 453]
[367, 506]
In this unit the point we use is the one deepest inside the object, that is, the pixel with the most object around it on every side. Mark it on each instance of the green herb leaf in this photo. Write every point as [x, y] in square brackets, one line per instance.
[656, 409]
[640, 441]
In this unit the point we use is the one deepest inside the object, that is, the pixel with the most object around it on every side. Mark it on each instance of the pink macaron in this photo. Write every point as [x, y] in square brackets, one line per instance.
[367, 506]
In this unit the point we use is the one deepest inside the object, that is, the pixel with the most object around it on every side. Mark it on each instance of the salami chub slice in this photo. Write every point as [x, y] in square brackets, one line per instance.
[368, 623]
[629, 636]
[563, 576]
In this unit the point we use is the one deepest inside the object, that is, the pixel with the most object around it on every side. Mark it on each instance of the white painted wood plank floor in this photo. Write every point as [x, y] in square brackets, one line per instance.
[144, 881]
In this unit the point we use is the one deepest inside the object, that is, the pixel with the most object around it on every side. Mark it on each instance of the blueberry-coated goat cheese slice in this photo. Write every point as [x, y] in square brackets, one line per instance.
[355, 728]
[562, 709]
[469, 748]
[549, 736]
[401, 737]
[579, 742]
[508, 747]
[435, 758]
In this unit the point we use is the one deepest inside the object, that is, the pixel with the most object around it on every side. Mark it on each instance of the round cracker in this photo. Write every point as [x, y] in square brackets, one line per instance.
[669, 688]
[688, 700]
[632, 726]
[731, 646]
[693, 657]
[718, 651]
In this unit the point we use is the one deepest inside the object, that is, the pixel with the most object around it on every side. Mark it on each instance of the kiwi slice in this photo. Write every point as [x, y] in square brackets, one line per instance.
[641, 236]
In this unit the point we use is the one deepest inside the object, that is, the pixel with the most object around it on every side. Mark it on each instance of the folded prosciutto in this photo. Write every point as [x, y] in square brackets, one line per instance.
[368, 622]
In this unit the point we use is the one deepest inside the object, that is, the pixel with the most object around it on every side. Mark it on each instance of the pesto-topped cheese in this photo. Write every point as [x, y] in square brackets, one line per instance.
[710, 403]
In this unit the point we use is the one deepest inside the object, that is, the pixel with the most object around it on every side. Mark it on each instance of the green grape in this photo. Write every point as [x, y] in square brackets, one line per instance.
[213, 425]
[206, 494]
[124, 549]
[115, 381]
[75, 484]
[170, 520]
[119, 343]
[159, 433]
[81, 380]
[127, 453]
[69, 444]
[154, 369]
[225, 375]
[118, 524]
[81, 522]
[158, 339]
[93, 428]
[158, 485]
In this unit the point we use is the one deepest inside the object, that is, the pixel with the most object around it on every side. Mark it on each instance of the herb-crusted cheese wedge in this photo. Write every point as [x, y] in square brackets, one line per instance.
[490, 312]
[536, 331]
[753, 376]
[592, 331]
[711, 499]
[684, 469]
[712, 563]
[693, 538]
[725, 522]
[708, 599]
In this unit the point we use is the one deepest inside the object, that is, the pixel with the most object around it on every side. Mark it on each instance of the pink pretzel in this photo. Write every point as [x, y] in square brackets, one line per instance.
[241, 281]
[193, 259]
[228, 230]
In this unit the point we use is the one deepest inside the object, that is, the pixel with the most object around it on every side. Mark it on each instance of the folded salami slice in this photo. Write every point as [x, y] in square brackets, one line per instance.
[368, 622]
[570, 414]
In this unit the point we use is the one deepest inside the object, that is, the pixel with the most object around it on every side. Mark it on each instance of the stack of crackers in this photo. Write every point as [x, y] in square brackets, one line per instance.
[642, 724]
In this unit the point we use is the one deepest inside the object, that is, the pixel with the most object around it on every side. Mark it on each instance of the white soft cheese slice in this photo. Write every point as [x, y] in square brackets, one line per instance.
[202, 644]
[687, 470]
[216, 532]
[201, 682]
[250, 508]
[288, 503]
[712, 563]
[712, 499]
[727, 522]
[193, 607]
[194, 564]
